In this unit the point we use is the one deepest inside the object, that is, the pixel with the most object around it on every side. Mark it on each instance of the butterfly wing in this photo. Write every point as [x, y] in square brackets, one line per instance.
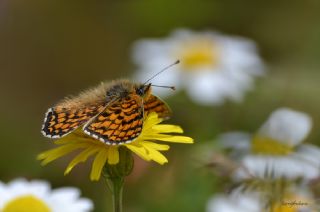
[61, 120]
[155, 104]
[120, 122]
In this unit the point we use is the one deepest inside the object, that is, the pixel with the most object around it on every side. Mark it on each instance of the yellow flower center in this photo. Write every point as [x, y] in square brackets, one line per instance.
[26, 204]
[199, 54]
[269, 146]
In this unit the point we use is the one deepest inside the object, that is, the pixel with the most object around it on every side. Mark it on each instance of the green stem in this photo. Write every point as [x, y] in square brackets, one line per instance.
[114, 175]
[116, 187]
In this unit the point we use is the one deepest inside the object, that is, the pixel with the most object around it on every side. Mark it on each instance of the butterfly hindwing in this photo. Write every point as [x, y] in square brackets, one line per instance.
[120, 122]
[60, 121]
[155, 104]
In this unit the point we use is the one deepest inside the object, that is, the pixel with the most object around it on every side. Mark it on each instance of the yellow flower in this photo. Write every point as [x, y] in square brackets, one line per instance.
[144, 146]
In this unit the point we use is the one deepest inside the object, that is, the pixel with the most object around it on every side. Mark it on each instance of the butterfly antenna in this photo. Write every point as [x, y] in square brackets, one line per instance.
[165, 68]
[164, 86]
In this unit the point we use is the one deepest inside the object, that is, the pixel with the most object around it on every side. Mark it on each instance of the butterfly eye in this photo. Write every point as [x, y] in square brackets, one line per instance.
[140, 91]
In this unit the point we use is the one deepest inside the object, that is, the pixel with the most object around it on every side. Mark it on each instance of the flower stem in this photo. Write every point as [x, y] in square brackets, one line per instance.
[116, 187]
[115, 174]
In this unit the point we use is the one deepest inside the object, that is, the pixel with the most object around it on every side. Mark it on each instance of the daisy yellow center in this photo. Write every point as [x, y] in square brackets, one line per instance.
[198, 54]
[26, 204]
[269, 146]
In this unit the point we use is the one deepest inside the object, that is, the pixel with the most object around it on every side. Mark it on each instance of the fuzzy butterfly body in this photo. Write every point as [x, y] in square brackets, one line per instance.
[112, 112]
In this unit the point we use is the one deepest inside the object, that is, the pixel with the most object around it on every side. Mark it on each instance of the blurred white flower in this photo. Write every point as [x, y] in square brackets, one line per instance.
[37, 196]
[213, 67]
[294, 199]
[276, 149]
[244, 202]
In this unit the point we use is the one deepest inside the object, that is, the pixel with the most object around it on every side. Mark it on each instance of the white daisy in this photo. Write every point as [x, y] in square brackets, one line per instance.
[276, 149]
[37, 196]
[213, 67]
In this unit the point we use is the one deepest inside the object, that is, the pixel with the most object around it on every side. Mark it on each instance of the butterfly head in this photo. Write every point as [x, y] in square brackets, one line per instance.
[143, 90]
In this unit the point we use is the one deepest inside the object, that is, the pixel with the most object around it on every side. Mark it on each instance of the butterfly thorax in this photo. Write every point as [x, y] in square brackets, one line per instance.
[123, 89]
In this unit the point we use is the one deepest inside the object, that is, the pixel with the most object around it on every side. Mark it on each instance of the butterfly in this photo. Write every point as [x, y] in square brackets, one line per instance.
[111, 112]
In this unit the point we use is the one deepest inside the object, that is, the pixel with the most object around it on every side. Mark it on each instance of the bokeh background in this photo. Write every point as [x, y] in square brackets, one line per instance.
[50, 49]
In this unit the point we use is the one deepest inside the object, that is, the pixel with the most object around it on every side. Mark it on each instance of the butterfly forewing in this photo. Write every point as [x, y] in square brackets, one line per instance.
[120, 122]
[60, 121]
[155, 104]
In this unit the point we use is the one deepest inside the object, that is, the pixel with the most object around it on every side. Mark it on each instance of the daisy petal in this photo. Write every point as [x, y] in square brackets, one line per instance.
[288, 126]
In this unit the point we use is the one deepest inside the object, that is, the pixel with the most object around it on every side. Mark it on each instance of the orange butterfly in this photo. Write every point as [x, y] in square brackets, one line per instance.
[112, 112]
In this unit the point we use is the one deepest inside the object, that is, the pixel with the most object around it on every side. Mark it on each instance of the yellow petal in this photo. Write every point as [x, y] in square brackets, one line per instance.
[81, 157]
[113, 157]
[175, 139]
[139, 150]
[156, 155]
[98, 164]
[58, 152]
[167, 128]
[161, 147]
[68, 139]
[151, 120]
[153, 137]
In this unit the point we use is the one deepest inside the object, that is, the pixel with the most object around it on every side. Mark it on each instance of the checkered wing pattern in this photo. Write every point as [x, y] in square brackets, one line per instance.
[120, 122]
[155, 104]
[60, 121]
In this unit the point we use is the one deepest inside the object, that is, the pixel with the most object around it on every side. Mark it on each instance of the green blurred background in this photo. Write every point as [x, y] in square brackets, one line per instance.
[50, 49]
